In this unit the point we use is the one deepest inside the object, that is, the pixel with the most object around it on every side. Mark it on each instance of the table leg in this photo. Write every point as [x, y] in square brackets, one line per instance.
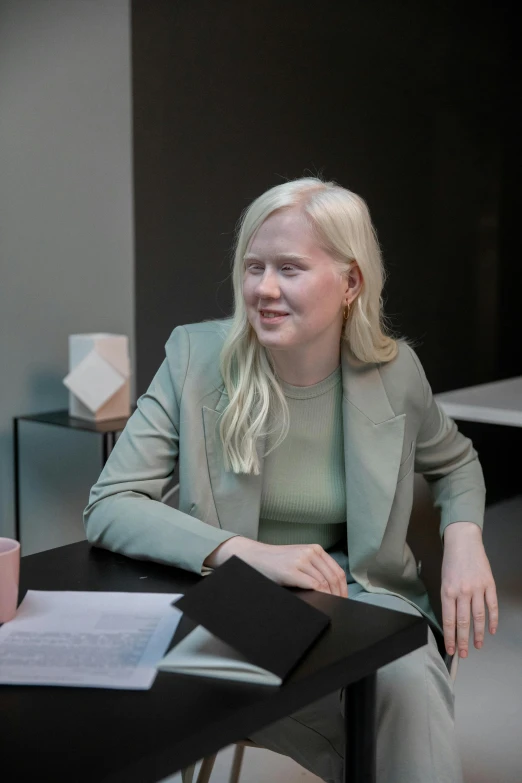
[105, 448]
[108, 443]
[359, 718]
[112, 441]
[16, 479]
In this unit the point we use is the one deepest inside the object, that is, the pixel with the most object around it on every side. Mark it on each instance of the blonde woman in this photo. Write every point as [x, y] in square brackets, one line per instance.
[298, 425]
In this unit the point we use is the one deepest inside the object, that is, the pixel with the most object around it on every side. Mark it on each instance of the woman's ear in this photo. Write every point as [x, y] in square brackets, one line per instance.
[354, 282]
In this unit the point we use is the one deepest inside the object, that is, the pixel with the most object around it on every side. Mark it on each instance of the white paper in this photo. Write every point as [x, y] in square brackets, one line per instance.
[201, 653]
[87, 639]
[94, 381]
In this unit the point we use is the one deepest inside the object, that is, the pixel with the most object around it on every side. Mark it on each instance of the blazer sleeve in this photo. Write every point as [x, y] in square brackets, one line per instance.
[449, 463]
[125, 513]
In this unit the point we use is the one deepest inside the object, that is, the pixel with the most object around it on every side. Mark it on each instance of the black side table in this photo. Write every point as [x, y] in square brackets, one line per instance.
[107, 429]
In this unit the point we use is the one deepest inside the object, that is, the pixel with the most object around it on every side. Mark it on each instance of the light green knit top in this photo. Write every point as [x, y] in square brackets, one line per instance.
[304, 486]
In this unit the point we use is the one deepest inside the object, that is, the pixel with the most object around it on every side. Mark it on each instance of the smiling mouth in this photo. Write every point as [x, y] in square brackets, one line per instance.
[270, 314]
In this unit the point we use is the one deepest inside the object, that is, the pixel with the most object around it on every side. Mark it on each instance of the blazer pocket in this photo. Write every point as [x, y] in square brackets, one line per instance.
[406, 466]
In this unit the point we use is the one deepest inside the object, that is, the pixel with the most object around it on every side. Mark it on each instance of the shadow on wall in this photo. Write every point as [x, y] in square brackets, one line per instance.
[46, 390]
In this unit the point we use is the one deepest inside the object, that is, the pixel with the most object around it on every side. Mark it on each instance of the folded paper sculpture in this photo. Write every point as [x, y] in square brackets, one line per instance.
[99, 376]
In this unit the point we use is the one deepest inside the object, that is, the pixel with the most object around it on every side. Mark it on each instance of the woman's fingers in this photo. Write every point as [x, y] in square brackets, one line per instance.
[479, 618]
[337, 574]
[457, 613]
[492, 602]
[330, 571]
[463, 624]
[320, 582]
[306, 566]
[448, 622]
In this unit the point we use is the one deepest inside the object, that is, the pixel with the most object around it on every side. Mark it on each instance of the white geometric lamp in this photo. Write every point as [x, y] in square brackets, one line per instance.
[99, 376]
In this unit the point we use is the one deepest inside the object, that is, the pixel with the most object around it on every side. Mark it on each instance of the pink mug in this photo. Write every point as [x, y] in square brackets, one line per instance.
[9, 576]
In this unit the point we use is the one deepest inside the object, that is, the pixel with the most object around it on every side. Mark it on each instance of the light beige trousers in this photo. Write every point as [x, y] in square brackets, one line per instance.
[415, 727]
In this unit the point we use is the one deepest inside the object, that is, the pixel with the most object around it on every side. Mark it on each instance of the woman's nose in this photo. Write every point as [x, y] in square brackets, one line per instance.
[268, 285]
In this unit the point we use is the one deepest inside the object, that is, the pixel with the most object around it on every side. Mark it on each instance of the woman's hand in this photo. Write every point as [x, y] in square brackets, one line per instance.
[295, 565]
[466, 580]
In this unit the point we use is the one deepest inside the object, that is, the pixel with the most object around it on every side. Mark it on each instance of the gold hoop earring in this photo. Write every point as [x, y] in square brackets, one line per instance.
[346, 310]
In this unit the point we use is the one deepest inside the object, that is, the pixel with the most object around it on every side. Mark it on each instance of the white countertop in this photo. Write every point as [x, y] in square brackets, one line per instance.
[499, 402]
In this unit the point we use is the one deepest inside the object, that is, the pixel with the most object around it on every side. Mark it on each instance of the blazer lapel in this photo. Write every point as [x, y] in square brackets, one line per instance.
[373, 442]
[237, 497]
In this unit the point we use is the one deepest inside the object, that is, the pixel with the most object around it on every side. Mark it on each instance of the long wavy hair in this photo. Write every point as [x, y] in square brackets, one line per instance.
[341, 222]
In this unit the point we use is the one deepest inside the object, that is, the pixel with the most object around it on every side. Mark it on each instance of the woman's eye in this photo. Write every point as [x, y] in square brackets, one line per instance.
[259, 268]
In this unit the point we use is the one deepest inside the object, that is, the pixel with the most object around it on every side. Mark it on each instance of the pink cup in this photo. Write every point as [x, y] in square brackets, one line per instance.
[9, 576]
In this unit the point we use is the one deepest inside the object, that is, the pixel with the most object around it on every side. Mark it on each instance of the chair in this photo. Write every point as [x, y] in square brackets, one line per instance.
[424, 540]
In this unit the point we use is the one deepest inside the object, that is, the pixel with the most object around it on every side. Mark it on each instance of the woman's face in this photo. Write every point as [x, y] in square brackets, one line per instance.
[293, 290]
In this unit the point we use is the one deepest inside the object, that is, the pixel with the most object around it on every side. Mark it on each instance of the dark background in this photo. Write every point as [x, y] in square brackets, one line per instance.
[412, 105]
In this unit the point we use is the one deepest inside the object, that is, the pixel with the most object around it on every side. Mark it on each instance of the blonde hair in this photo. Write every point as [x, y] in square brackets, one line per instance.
[342, 225]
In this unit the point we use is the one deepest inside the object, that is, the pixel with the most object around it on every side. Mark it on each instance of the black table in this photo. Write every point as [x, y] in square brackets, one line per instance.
[109, 736]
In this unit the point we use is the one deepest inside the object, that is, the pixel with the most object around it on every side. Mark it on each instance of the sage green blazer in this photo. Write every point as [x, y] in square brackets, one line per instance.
[392, 428]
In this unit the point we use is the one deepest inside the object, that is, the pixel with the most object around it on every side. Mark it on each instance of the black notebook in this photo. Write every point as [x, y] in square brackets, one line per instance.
[250, 628]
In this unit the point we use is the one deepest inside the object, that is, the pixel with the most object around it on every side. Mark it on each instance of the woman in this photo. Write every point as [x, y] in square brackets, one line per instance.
[298, 425]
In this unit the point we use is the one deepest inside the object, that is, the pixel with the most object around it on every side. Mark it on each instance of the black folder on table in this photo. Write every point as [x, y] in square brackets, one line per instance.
[268, 625]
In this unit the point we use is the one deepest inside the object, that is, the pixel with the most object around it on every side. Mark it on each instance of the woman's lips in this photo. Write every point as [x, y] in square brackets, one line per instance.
[273, 319]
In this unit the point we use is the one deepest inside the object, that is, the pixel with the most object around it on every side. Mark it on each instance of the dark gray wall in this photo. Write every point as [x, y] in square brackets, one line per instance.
[410, 104]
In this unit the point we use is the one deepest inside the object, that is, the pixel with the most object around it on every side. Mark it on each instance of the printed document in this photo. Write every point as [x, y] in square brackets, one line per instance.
[87, 639]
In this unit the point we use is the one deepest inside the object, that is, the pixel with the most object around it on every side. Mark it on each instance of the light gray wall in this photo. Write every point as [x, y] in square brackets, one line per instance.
[66, 238]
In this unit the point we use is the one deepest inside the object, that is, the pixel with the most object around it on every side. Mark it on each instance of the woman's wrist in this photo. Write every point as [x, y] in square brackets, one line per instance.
[232, 546]
[459, 532]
